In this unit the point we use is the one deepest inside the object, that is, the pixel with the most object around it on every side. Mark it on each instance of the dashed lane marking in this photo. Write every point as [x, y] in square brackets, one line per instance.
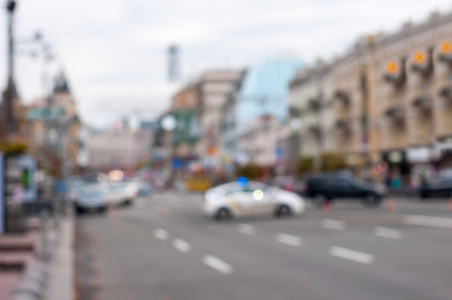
[389, 233]
[217, 264]
[352, 255]
[428, 221]
[334, 224]
[161, 234]
[181, 245]
[246, 229]
[288, 239]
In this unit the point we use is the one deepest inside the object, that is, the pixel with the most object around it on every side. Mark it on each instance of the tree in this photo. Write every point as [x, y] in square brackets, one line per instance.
[305, 164]
[332, 161]
[250, 171]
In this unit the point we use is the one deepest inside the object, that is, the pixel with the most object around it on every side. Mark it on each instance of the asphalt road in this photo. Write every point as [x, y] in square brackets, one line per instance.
[163, 248]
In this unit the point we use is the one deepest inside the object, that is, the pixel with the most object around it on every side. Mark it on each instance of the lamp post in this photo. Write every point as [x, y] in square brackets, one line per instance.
[10, 122]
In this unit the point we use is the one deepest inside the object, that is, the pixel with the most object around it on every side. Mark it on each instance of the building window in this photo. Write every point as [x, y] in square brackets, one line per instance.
[449, 76]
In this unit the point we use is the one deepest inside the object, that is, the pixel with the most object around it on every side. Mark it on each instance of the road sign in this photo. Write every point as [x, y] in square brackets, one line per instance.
[44, 114]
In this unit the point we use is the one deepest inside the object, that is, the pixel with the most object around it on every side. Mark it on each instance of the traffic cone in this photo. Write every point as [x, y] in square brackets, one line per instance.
[162, 211]
[327, 205]
[392, 205]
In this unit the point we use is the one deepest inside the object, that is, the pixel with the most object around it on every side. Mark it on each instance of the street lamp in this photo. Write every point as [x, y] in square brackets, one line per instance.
[10, 124]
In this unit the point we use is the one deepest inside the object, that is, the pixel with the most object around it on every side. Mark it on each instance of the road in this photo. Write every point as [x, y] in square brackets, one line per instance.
[163, 248]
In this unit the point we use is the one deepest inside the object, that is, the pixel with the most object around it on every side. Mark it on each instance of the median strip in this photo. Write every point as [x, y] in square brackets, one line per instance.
[334, 224]
[288, 239]
[217, 264]
[352, 255]
[428, 221]
[389, 233]
[181, 245]
[161, 234]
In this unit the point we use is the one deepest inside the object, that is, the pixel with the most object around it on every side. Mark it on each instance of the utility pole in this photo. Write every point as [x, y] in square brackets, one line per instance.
[10, 122]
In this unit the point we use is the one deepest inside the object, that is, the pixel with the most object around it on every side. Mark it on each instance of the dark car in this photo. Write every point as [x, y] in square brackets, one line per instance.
[439, 187]
[325, 188]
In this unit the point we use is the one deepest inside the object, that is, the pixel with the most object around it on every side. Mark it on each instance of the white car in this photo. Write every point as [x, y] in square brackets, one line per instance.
[230, 200]
[120, 193]
[90, 198]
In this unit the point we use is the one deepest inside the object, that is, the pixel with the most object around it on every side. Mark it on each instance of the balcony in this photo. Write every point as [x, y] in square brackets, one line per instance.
[396, 112]
[342, 96]
[446, 92]
[315, 129]
[314, 103]
[422, 102]
[343, 124]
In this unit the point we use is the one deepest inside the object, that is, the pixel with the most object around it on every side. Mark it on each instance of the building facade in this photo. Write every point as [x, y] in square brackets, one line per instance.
[312, 105]
[412, 110]
[214, 90]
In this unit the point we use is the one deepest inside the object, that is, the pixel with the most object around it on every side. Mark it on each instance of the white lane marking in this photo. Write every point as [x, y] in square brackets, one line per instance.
[288, 239]
[246, 229]
[428, 221]
[334, 224]
[181, 245]
[353, 255]
[389, 233]
[161, 234]
[217, 264]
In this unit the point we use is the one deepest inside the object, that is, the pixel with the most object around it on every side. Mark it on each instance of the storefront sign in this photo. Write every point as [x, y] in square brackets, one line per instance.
[418, 155]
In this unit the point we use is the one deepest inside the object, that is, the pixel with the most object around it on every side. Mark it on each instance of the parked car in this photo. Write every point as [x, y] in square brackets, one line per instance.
[143, 188]
[326, 188]
[90, 198]
[120, 193]
[439, 187]
[230, 200]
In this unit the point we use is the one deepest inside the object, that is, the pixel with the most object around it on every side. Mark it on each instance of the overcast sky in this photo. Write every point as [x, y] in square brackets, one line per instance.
[114, 51]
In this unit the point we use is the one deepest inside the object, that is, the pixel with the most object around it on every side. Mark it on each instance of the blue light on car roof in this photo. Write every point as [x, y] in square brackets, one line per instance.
[242, 182]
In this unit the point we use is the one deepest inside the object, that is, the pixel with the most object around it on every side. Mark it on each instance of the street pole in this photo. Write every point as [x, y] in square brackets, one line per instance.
[10, 124]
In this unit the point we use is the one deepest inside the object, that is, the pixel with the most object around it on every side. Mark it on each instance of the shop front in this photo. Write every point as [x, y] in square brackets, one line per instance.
[399, 170]
[422, 162]
[444, 152]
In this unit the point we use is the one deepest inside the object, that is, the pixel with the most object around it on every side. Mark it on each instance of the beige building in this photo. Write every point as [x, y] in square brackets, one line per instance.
[352, 92]
[411, 113]
[312, 106]
[259, 142]
[393, 100]
[214, 90]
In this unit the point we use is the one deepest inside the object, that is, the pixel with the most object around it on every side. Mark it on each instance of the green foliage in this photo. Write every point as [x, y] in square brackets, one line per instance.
[305, 164]
[332, 162]
[13, 147]
[250, 171]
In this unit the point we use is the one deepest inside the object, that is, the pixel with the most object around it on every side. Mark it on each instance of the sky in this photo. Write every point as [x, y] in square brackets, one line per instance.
[114, 52]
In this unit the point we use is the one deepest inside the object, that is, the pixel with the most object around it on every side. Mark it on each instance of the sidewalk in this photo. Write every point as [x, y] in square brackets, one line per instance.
[32, 270]
[61, 268]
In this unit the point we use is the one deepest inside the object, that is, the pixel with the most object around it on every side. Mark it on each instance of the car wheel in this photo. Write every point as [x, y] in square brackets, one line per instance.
[127, 202]
[223, 214]
[372, 200]
[423, 196]
[102, 209]
[79, 210]
[319, 200]
[283, 210]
